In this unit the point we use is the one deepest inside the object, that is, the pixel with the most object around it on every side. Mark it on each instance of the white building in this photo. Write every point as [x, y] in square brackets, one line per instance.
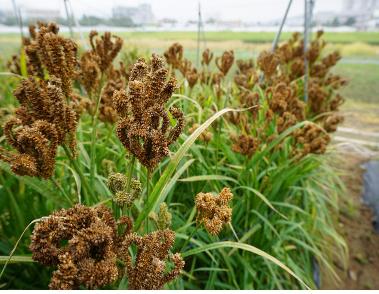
[33, 14]
[141, 14]
[364, 12]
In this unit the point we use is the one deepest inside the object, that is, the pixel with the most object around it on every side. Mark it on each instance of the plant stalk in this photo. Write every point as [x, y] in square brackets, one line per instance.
[86, 188]
[94, 133]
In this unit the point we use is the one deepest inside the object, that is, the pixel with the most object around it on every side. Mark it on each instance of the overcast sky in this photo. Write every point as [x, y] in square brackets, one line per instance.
[245, 10]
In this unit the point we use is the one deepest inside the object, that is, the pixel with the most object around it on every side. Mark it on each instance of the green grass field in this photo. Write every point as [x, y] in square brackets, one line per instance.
[363, 81]
[254, 37]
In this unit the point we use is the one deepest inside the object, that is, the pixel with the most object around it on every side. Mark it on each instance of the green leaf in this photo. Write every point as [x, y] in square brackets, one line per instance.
[23, 65]
[15, 259]
[208, 178]
[264, 199]
[245, 247]
[40, 186]
[172, 182]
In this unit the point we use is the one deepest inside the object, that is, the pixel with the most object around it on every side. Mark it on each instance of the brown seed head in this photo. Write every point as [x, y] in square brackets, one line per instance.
[268, 63]
[148, 272]
[106, 48]
[207, 57]
[225, 62]
[214, 211]
[144, 126]
[88, 258]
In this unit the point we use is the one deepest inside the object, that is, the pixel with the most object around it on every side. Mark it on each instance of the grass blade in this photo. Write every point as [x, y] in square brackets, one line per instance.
[245, 247]
[208, 178]
[15, 259]
[263, 198]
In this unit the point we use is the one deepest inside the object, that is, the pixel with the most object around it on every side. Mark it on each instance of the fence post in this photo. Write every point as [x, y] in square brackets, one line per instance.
[68, 19]
[306, 65]
[17, 14]
[198, 37]
[277, 37]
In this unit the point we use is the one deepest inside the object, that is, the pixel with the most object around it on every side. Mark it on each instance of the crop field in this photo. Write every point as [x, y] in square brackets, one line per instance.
[126, 163]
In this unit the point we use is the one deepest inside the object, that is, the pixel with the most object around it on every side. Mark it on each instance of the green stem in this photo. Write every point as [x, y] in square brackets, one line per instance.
[234, 232]
[94, 134]
[86, 189]
[15, 205]
[189, 238]
[147, 195]
[56, 184]
[130, 173]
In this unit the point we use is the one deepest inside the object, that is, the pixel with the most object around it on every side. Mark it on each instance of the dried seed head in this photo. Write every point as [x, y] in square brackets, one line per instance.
[43, 121]
[331, 123]
[90, 71]
[174, 55]
[144, 126]
[148, 272]
[214, 211]
[250, 100]
[57, 55]
[311, 139]
[225, 62]
[114, 83]
[245, 144]
[268, 63]
[245, 66]
[105, 48]
[192, 76]
[36, 145]
[117, 182]
[207, 57]
[336, 102]
[314, 50]
[88, 258]
[285, 121]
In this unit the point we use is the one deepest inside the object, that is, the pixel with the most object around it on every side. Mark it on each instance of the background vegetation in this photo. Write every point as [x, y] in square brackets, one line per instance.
[289, 217]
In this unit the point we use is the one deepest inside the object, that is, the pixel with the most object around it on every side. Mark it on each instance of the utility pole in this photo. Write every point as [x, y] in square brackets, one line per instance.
[198, 37]
[17, 14]
[277, 37]
[68, 18]
[77, 26]
[308, 9]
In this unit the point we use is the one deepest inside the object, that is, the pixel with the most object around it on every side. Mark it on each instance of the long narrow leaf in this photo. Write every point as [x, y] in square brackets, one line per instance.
[208, 178]
[15, 259]
[245, 247]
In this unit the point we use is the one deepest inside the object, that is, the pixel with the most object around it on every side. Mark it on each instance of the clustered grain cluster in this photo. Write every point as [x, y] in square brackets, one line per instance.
[144, 127]
[214, 211]
[83, 244]
[45, 117]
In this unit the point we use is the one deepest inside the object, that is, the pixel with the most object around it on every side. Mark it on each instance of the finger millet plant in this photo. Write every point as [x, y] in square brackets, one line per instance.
[150, 173]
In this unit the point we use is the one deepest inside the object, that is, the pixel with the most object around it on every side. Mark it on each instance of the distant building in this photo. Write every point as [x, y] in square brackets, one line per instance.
[141, 14]
[363, 12]
[5, 14]
[359, 6]
[33, 14]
